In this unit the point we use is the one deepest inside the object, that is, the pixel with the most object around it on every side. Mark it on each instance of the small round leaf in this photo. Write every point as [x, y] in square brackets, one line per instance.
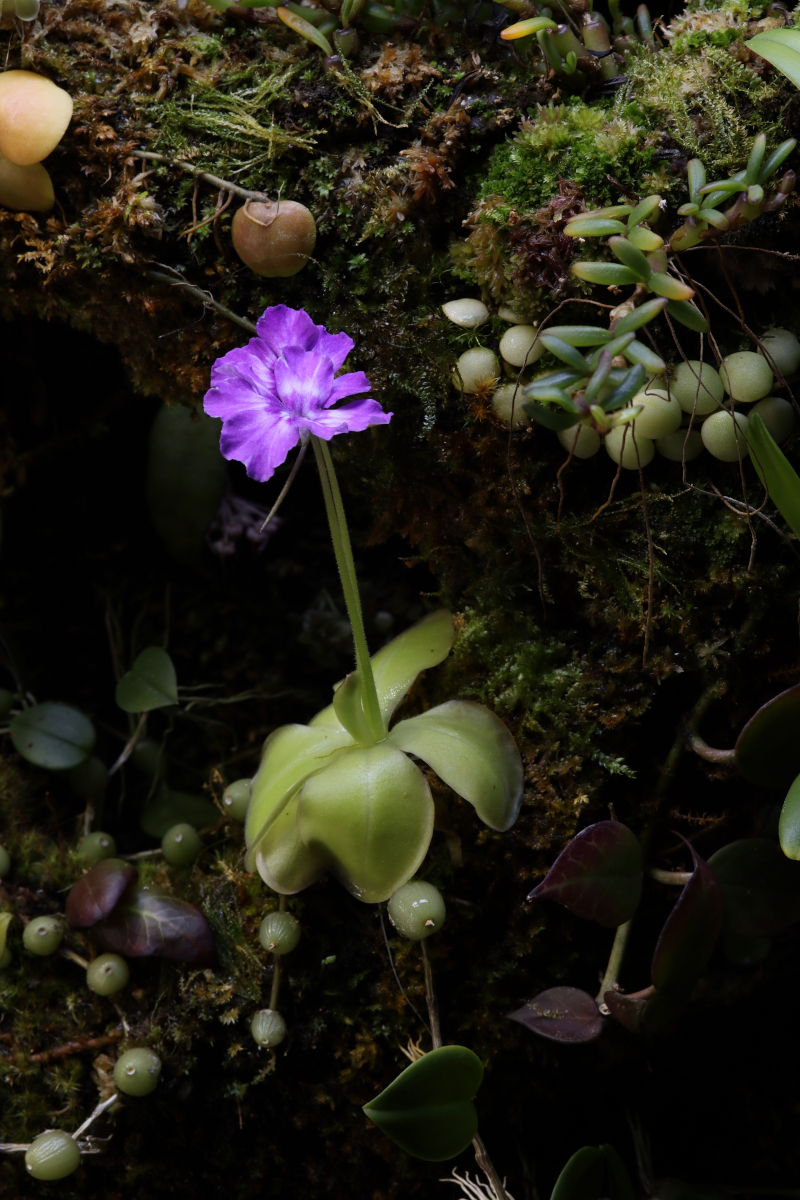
[55, 736]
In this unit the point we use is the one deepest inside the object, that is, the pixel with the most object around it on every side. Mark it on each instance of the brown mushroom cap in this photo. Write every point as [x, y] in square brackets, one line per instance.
[25, 189]
[34, 115]
[274, 240]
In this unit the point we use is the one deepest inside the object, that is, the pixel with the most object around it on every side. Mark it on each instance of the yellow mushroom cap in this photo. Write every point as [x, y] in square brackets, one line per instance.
[25, 189]
[34, 115]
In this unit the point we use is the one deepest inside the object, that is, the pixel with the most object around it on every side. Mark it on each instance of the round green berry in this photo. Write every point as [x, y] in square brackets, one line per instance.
[5, 862]
[661, 414]
[107, 974]
[721, 435]
[96, 847]
[783, 348]
[181, 844]
[697, 387]
[268, 1027]
[136, 1072]
[236, 798]
[417, 910]
[43, 935]
[52, 1155]
[777, 414]
[682, 444]
[746, 376]
[279, 932]
[632, 450]
[582, 440]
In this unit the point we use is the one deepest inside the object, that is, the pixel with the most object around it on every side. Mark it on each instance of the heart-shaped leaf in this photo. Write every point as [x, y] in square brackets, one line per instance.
[96, 895]
[690, 932]
[55, 736]
[150, 683]
[561, 1014]
[168, 808]
[291, 754]
[428, 1109]
[760, 888]
[789, 823]
[598, 876]
[472, 751]
[369, 816]
[768, 748]
[592, 1173]
[148, 922]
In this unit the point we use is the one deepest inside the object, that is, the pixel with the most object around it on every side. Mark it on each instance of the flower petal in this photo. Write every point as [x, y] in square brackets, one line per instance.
[260, 440]
[281, 326]
[303, 379]
[351, 418]
[351, 384]
[336, 346]
[252, 363]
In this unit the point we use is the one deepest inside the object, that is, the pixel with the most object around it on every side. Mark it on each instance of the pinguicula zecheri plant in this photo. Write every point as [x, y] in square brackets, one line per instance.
[341, 794]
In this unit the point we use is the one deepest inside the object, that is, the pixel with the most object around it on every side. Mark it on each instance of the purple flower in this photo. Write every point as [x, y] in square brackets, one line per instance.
[279, 388]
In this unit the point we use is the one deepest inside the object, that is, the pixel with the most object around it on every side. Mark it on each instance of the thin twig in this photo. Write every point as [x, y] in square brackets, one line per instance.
[215, 180]
[204, 297]
[285, 489]
[430, 996]
[130, 745]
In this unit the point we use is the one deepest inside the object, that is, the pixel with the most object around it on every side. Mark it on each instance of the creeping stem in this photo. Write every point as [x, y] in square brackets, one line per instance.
[347, 572]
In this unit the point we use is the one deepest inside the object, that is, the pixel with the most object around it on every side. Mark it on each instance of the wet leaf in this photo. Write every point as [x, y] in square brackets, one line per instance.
[598, 876]
[150, 683]
[760, 888]
[768, 748]
[690, 933]
[593, 1173]
[472, 751]
[168, 808]
[428, 1109]
[148, 922]
[96, 895]
[55, 736]
[561, 1014]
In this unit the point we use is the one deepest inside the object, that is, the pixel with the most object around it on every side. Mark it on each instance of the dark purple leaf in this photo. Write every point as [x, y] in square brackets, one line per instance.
[94, 897]
[626, 1009]
[149, 922]
[598, 876]
[760, 888]
[690, 932]
[768, 748]
[562, 1014]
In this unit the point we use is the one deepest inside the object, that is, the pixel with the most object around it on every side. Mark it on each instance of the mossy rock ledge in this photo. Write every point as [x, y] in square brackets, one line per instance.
[441, 162]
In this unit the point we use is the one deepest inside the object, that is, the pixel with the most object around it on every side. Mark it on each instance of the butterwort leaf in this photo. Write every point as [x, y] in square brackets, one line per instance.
[369, 818]
[96, 895]
[690, 933]
[760, 888]
[561, 1014]
[789, 823]
[55, 736]
[472, 751]
[598, 876]
[593, 1173]
[768, 748]
[149, 922]
[150, 683]
[428, 1109]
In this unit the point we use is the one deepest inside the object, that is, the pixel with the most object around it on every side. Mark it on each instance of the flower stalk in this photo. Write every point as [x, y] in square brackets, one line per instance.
[347, 572]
